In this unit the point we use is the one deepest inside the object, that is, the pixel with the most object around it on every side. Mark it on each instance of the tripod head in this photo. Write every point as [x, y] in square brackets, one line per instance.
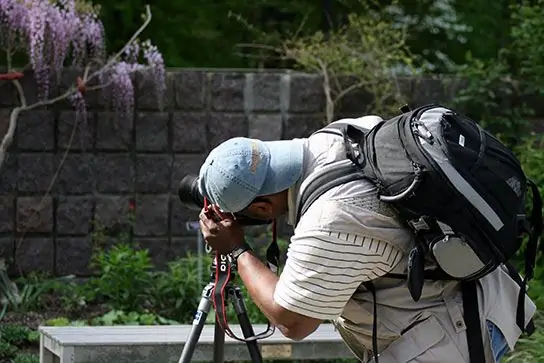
[225, 264]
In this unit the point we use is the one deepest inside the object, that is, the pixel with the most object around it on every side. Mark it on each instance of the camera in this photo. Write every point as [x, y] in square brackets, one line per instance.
[191, 198]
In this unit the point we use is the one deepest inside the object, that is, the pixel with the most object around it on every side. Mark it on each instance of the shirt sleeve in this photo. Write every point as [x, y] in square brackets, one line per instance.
[324, 267]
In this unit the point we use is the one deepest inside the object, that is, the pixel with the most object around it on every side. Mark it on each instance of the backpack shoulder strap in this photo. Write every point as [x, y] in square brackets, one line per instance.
[324, 179]
[336, 173]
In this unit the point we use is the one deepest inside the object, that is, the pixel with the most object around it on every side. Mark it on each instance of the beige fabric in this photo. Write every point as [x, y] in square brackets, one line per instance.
[437, 332]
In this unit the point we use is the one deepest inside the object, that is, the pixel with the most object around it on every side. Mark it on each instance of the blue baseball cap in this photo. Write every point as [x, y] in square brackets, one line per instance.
[241, 169]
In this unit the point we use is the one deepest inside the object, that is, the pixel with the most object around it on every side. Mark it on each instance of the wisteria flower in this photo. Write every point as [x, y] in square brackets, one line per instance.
[57, 33]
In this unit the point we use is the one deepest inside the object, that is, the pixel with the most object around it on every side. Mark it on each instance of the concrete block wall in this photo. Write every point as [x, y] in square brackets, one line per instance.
[114, 164]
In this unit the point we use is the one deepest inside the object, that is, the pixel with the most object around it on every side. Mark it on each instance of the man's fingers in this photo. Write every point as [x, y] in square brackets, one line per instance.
[221, 214]
[207, 225]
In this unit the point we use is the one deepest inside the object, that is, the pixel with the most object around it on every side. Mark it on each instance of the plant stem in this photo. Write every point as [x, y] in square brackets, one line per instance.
[8, 60]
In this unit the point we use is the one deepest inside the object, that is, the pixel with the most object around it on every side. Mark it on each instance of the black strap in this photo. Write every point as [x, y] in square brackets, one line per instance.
[471, 315]
[535, 233]
[223, 275]
[370, 287]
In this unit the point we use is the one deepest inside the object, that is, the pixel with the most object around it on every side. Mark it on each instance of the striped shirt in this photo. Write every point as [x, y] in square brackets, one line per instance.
[335, 248]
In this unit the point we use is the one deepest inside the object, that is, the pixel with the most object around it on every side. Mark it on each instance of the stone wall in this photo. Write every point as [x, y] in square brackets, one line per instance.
[48, 197]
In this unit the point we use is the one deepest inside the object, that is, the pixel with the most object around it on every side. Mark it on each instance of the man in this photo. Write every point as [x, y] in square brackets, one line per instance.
[345, 238]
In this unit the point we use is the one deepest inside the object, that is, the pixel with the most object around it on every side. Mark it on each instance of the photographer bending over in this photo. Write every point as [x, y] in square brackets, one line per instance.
[347, 237]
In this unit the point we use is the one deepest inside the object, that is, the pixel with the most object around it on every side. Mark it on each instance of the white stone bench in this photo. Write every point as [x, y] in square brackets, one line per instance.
[164, 344]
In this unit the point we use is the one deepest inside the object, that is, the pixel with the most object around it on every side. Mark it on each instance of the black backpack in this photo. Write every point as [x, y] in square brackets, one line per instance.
[459, 189]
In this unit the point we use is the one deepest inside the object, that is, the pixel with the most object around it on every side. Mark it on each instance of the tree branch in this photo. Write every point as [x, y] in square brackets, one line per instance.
[329, 103]
[8, 137]
[21, 93]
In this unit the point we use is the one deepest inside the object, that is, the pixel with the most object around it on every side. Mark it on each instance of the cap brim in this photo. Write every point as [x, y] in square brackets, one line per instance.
[285, 168]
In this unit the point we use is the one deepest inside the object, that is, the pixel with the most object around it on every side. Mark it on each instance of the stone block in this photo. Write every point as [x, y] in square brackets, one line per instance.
[7, 214]
[185, 164]
[227, 91]
[8, 93]
[30, 87]
[112, 133]
[153, 173]
[152, 131]
[180, 215]
[112, 213]
[35, 254]
[306, 93]
[354, 103]
[4, 123]
[35, 214]
[36, 131]
[158, 248]
[7, 250]
[265, 127]
[265, 92]
[73, 256]
[78, 174]
[74, 215]
[35, 172]
[149, 92]
[431, 90]
[223, 126]
[151, 215]
[189, 132]
[83, 138]
[8, 175]
[190, 89]
[115, 173]
[181, 246]
[302, 125]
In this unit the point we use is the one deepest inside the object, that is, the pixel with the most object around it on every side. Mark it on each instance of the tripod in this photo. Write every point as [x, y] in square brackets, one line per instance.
[234, 295]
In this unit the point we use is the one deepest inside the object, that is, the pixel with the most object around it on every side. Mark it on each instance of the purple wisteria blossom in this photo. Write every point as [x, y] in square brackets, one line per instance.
[59, 33]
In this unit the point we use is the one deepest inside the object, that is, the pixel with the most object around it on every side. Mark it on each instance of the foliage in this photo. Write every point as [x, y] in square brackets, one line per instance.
[527, 48]
[51, 35]
[14, 338]
[498, 90]
[123, 277]
[23, 295]
[26, 358]
[177, 291]
[439, 32]
[367, 54]
[492, 96]
[7, 350]
[115, 317]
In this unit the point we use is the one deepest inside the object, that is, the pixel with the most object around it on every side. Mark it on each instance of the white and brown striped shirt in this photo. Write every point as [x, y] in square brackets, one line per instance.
[340, 242]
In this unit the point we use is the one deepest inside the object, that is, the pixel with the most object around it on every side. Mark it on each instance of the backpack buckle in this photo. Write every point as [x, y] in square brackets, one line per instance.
[354, 151]
[420, 224]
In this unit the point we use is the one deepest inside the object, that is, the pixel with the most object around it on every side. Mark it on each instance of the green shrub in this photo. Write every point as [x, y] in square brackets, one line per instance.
[177, 291]
[124, 278]
[26, 358]
[7, 350]
[15, 334]
[116, 317]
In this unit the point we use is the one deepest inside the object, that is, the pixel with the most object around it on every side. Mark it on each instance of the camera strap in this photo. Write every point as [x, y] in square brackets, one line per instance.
[223, 275]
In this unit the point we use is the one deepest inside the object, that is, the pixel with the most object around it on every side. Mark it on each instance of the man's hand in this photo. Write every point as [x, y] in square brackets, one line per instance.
[220, 230]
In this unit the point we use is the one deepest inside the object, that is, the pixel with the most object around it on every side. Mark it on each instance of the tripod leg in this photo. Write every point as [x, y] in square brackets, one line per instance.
[218, 343]
[198, 324]
[245, 325]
